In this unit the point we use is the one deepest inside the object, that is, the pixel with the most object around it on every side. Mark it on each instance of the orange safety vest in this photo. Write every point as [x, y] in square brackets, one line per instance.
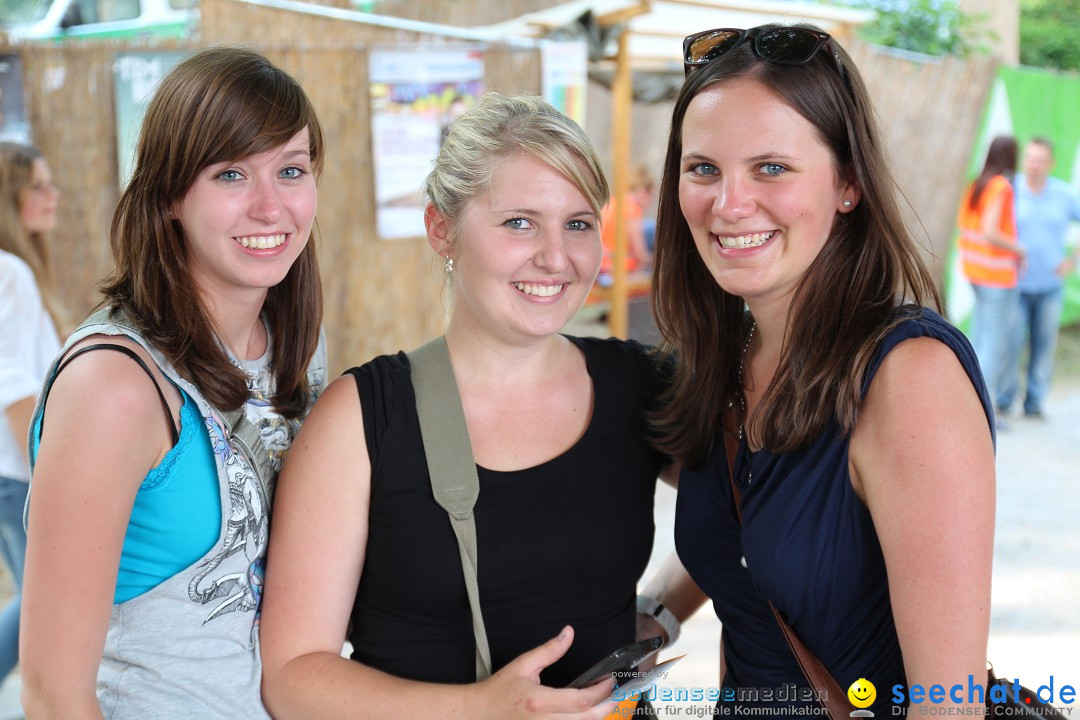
[631, 211]
[983, 263]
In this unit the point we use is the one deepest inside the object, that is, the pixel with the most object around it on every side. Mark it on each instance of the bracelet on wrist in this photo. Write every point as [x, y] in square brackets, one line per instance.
[656, 610]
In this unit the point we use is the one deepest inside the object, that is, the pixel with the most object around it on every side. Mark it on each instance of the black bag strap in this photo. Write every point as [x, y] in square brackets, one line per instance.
[450, 462]
[121, 349]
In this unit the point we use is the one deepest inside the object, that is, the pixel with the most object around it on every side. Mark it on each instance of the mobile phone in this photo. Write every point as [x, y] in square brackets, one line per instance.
[624, 658]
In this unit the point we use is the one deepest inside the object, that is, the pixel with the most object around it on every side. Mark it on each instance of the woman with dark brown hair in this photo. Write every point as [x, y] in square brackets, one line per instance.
[148, 529]
[834, 430]
[992, 257]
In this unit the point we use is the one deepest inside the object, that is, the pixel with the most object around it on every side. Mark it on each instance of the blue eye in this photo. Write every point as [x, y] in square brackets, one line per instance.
[230, 176]
[518, 223]
[772, 169]
[579, 225]
[293, 173]
[704, 169]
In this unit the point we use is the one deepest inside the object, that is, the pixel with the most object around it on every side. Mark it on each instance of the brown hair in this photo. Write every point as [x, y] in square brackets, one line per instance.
[16, 174]
[219, 104]
[833, 327]
[1000, 160]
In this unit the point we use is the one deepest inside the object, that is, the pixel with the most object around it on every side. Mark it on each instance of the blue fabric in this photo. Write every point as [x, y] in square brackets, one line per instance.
[1039, 319]
[993, 322]
[1042, 224]
[13, 548]
[809, 546]
[176, 517]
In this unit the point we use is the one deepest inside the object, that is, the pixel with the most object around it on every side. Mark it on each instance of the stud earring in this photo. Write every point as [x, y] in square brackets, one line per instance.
[847, 203]
[448, 266]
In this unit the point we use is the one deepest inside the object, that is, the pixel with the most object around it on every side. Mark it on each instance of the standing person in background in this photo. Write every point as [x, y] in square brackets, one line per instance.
[635, 205]
[991, 258]
[171, 409]
[28, 343]
[1045, 206]
[835, 432]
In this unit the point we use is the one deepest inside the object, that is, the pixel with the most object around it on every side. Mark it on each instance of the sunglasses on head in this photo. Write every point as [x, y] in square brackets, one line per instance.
[780, 45]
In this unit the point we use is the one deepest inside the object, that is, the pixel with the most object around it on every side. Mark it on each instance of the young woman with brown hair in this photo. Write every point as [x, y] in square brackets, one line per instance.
[148, 529]
[835, 432]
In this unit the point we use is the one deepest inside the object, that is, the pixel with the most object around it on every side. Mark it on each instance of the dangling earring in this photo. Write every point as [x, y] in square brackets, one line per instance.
[448, 266]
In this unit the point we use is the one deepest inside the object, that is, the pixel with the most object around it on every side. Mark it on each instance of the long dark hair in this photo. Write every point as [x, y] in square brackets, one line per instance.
[219, 104]
[1000, 160]
[843, 305]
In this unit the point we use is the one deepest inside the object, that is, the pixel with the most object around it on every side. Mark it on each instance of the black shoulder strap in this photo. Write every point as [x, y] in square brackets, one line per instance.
[119, 348]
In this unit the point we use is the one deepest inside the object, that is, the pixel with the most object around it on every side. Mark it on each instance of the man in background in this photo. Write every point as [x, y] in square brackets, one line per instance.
[1045, 206]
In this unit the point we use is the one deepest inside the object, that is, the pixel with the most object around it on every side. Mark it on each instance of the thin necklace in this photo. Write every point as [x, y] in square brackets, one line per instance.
[742, 395]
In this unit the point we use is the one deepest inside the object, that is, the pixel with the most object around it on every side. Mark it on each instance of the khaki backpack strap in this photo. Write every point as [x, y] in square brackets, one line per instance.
[453, 471]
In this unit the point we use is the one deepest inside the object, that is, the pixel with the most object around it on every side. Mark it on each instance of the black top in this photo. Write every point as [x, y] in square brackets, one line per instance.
[809, 546]
[563, 543]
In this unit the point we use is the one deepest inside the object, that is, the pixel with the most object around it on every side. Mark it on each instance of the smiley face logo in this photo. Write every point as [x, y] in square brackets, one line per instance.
[862, 693]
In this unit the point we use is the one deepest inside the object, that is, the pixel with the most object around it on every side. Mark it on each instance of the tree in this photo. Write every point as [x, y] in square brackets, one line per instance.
[933, 27]
[1048, 33]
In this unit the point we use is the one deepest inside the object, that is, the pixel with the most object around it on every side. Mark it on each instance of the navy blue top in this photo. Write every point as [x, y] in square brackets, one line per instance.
[809, 547]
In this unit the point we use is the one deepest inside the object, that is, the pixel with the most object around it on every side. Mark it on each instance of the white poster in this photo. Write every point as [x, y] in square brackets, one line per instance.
[565, 77]
[415, 95]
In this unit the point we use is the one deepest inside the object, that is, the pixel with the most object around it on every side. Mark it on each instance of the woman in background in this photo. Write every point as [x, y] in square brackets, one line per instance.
[992, 259]
[28, 343]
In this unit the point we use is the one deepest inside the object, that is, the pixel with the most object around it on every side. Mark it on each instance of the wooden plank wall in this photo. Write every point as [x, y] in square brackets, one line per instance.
[461, 13]
[929, 111]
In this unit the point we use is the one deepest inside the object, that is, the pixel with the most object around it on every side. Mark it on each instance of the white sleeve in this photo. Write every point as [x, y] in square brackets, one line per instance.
[20, 307]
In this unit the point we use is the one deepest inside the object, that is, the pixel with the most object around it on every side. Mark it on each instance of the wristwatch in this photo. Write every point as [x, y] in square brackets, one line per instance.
[656, 610]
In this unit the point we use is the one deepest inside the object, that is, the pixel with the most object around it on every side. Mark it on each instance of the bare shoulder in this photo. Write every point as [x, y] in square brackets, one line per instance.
[332, 431]
[921, 411]
[103, 399]
[111, 380]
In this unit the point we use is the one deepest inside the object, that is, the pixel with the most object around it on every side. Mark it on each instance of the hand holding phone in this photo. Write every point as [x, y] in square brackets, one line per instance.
[624, 658]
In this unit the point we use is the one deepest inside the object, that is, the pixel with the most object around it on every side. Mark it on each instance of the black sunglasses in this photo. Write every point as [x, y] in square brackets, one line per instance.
[780, 45]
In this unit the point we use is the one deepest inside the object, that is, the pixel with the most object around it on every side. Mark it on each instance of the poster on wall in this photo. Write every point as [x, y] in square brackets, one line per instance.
[564, 78]
[13, 124]
[414, 98]
[135, 77]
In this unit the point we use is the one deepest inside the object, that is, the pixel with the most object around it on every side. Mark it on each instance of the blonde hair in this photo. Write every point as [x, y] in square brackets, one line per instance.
[495, 128]
[16, 174]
